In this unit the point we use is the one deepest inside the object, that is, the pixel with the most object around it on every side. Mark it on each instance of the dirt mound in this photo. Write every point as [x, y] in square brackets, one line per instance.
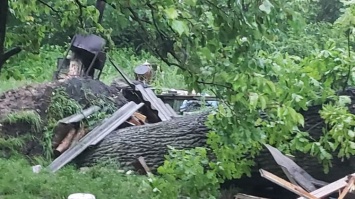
[26, 112]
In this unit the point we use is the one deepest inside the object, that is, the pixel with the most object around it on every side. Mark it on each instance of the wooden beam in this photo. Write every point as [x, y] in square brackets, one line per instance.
[330, 188]
[285, 184]
[347, 188]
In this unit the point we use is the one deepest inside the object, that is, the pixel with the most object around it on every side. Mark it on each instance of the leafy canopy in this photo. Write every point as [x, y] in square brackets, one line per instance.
[267, 60]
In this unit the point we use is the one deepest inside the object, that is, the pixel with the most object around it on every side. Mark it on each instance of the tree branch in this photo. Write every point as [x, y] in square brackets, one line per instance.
[49, 6]
[81, 6]
[11, 52]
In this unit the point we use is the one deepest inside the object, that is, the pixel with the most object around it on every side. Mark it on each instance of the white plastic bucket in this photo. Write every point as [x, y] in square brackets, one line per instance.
[81, 196]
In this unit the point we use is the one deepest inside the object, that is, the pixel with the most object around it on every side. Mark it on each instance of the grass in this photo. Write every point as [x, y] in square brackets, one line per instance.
[29, 69]
[19, 182]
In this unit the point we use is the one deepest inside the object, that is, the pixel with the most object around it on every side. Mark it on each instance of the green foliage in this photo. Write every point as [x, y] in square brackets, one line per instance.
[60, 106]
[256, 63]
[264, 59]
[18, 73]
[182, 168]
[14, 144]
[29, 117]
[32, 21]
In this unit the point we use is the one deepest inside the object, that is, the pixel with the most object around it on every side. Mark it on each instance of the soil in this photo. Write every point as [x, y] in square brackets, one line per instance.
[37, 97]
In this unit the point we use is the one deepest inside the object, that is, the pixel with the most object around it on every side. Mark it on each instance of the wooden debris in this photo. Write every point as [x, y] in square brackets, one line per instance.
[144, 164]
[140, 117]
[348, 187]
[295, 174]
[79, 134]
[330, 188]
[287, 185]
[96, 135]
[65, 143]
[133, 120]
[244, 196]
[59, 133]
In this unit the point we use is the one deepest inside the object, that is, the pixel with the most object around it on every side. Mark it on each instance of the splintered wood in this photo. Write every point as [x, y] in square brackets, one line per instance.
[349, 186]
[71, 138]
[68, 134]
[66, 141]
[344, 185]
[244, 196]
[287, 185]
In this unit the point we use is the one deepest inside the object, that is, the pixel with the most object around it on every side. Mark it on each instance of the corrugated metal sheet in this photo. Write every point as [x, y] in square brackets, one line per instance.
[96, 135]
[155, 103]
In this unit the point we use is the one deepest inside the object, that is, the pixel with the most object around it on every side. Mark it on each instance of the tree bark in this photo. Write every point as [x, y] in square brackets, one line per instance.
[4, 7]
[150, 141]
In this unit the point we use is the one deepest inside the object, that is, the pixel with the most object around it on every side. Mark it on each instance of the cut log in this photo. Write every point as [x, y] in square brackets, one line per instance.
[60, 132]
[80, 133]
[65, 143]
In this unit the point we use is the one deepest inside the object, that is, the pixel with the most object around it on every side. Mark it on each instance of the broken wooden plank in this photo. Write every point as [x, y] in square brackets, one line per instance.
[285, 184]
[140, 117]
[96, 135]
[347, 188]
[244, 196]
[144, 164]
[330, 188]
[295, 173]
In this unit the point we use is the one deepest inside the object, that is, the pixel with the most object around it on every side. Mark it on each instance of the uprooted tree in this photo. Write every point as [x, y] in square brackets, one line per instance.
[240, 51]
[28, 129]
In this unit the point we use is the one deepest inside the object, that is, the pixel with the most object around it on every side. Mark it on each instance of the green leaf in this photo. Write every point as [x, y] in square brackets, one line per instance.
[253, 99]
[343, 100]
[266, 6]
[180, 27]
[171, 13]
[351, 133]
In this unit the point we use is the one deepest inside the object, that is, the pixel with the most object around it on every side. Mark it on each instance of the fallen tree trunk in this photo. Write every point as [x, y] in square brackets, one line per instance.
[150, 141]
[124, 146]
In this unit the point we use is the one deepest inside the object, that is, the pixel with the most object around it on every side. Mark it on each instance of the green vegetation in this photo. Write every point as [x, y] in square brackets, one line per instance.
[270, 55]
[19, 182]
[30, 117]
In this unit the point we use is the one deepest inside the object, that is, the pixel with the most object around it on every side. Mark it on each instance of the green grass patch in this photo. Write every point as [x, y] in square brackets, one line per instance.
[19, 182]
[27, 69]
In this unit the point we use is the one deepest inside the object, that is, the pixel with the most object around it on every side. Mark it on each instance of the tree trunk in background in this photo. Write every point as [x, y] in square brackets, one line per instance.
[4, 6]
[100, 6]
